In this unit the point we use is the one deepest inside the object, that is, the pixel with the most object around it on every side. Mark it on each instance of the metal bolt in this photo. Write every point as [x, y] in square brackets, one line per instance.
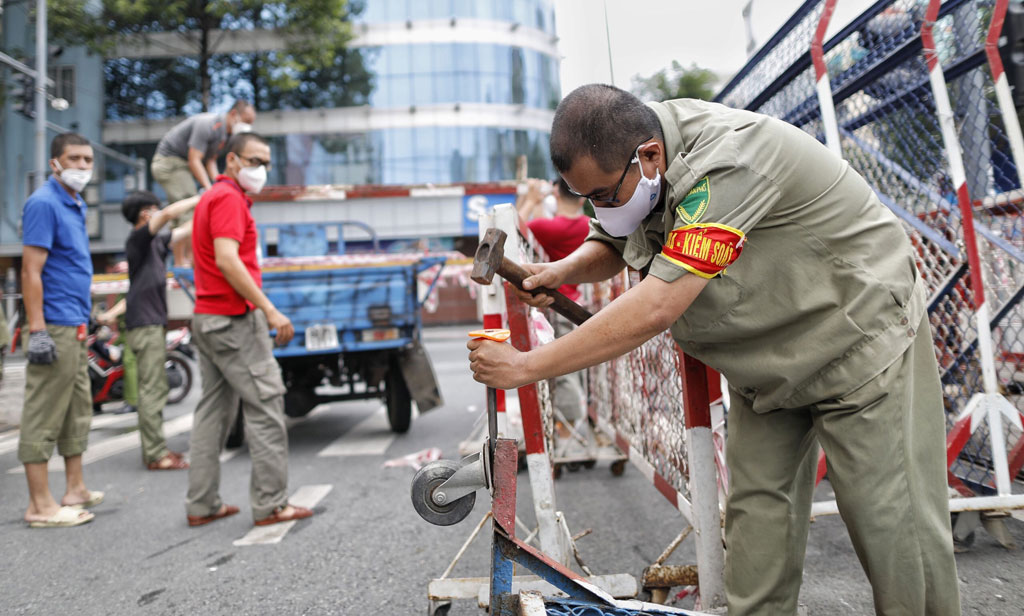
[440, 498]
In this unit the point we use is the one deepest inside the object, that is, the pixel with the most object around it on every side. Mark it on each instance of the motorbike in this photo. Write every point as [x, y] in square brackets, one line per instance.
[106, 370]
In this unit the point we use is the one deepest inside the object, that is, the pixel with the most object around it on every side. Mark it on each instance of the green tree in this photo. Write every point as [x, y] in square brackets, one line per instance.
[676, 82]
[314, 55]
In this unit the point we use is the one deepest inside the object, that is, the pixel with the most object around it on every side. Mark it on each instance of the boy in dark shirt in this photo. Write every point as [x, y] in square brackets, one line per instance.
[145, 309]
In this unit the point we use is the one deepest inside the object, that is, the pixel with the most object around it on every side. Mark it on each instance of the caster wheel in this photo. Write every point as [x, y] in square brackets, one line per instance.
[589, 464]
[618, 467]
[556, 471]
[424, 484]
[573, 466]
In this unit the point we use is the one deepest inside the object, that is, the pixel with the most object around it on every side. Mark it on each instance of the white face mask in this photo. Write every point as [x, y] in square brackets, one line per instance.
[252, 179]
[241, 127]
[622, 220]
[75, 179]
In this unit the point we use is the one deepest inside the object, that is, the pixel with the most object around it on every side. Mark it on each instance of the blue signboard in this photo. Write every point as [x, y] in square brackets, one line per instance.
[475, 206]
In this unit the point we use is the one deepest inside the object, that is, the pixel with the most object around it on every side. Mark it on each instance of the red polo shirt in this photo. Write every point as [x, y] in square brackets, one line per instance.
[223, 211]
[560, 236]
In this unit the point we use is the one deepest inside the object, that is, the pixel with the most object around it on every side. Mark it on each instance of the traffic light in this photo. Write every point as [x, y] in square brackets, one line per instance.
[1011, 50]
[23, 95]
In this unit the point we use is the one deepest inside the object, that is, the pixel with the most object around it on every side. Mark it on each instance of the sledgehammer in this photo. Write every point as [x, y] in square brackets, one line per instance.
[490, 260]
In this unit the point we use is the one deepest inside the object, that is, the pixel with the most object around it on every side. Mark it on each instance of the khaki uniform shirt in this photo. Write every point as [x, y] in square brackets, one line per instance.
[812, 288]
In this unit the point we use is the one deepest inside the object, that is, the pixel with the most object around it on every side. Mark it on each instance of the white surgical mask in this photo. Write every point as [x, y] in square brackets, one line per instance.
[241, 127]
[75, 179]
[622, 220]
[252, 179]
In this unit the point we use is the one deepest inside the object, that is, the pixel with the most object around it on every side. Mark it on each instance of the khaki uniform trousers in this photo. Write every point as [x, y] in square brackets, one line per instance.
[884, 443]
[176, 179]
[236, 361]
[58, 401]
[149, 345]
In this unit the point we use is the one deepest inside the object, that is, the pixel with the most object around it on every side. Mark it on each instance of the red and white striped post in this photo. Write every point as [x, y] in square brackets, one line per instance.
[989, 404]
[822, 84]
[1006, 107]
[829, 123]
[553, 540]
[700, 453]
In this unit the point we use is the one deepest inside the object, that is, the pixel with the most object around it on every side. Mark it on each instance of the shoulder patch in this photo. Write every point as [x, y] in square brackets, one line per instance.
[704, 250]
[693, 206]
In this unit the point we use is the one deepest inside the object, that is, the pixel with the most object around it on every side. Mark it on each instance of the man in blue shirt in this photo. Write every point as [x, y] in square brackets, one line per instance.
[56, 276]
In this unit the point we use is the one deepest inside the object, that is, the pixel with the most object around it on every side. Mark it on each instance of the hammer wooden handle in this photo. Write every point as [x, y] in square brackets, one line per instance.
[514, 273]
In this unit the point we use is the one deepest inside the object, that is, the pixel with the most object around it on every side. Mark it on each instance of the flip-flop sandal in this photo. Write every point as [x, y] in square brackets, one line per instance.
[95, 498]
[199, 520]
[177, 463]
[298, 513]
[65, 516]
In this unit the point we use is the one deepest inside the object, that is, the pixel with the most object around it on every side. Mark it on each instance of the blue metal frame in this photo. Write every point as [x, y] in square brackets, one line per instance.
[767, 48]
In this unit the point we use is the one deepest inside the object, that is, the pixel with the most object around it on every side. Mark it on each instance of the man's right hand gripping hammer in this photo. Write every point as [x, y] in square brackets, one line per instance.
[41, 348]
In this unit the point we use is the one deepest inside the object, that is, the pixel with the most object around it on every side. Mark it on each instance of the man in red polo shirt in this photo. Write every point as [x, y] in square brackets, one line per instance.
[231, 326]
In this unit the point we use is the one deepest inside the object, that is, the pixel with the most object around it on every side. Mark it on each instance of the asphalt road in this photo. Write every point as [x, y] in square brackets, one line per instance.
[365, 551]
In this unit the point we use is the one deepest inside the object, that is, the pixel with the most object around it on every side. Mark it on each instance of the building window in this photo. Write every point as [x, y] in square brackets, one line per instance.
[63, 77]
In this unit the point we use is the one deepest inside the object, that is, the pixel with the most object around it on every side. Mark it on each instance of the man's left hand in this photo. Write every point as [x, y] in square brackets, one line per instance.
[497, 365]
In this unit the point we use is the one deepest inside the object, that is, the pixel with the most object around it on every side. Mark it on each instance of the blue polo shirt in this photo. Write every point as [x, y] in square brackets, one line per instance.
[54, 220]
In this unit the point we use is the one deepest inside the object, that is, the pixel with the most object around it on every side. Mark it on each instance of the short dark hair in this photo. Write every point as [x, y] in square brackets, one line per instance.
[562, 189]
[238, 142]
[63, 140]
[603, 122]
[137, 201]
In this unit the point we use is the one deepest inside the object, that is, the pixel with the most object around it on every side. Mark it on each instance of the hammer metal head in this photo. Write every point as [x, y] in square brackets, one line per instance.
[488, 257]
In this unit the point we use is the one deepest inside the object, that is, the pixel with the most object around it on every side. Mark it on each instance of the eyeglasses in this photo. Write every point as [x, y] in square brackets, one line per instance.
[254, 161]
[615, 195]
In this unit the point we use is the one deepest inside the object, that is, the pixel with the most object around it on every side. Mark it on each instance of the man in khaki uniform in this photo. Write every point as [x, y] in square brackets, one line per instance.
[772, 261]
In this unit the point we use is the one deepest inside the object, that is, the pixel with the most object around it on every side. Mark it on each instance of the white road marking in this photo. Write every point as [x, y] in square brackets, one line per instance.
[117, 444]
[305, 496]
[370, 437]
[227, 454]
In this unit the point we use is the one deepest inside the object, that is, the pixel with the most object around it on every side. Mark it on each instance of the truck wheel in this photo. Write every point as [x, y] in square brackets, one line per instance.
[299, 402]
[398, 399]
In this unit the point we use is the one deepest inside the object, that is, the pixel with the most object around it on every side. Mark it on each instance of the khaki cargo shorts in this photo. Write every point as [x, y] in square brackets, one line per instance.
[177, 181]
[58, 401]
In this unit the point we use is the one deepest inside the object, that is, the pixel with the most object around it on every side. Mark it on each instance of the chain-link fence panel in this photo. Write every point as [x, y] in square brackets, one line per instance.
[640, 394]
[891, 134]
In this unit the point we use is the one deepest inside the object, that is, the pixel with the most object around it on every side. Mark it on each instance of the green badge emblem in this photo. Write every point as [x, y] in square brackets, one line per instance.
[696, 201]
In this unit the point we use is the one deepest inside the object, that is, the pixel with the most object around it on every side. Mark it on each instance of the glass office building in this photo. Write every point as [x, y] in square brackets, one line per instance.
[460, 90]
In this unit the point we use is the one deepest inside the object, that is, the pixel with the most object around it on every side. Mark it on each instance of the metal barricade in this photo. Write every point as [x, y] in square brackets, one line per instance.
[653, 403]
[913, 95]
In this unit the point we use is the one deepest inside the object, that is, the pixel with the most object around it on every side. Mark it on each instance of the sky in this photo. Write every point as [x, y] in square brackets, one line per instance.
[647, 35]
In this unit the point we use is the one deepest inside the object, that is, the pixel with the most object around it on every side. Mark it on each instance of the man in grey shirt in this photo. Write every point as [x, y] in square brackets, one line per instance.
[188, 154]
